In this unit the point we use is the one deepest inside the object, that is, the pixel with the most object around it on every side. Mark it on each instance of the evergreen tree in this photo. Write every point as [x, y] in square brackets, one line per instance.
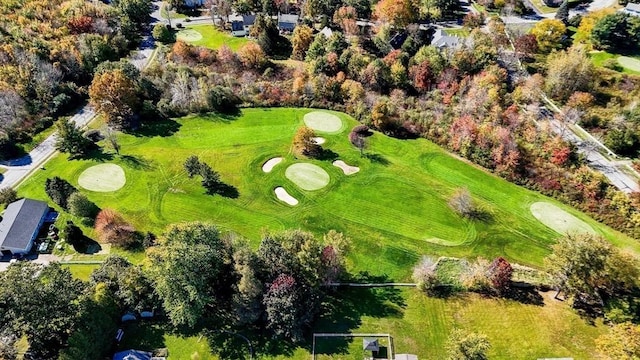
[563, 12]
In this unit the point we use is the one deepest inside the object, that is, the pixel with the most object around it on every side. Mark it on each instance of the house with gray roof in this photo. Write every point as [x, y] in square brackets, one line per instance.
[20, 225]
[287, 22]
[441, 40]
[632, 9]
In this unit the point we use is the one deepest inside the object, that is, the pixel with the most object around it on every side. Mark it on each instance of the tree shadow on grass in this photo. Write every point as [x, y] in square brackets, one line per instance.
[163, 127]
[228, 191]
[142, 336]
[98, 154]
[87, 246]
[525, 295]
[326, 155]
[377, 158]
[136, 162]
[225, 117]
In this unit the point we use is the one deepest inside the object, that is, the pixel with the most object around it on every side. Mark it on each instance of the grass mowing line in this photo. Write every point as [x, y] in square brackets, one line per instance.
[103, 178]
[559, 220]
[323, 121]
[308, 176]
[629, 63]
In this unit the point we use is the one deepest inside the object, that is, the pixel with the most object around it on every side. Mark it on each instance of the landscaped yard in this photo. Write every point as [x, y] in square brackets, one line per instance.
[460, 32]
[395, 209]
[629, 64]
[210, 37]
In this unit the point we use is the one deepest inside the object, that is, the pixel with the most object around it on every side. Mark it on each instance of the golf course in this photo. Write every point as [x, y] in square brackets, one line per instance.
[392, 201]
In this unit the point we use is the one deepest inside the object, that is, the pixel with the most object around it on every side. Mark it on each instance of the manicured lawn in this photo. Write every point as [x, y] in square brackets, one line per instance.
[460, 32]
[81, 271]
[150, 337]
[395, 209]
[629, 64]
[213, 38]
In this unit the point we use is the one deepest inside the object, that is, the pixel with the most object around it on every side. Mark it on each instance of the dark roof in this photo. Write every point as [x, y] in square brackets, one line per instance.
[20, 222]
[370, 344]
[132, 355]
[248, 20]
[286, 26]
[237, 26]
[397, 41]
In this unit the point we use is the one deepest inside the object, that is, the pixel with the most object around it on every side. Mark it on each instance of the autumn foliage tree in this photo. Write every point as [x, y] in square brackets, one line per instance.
[301, 40]
[305, 143]
[500, 273]
[114, 95]
[397, 12]
[112, 228]
[346, 17]
[549, 33]
[252, 56]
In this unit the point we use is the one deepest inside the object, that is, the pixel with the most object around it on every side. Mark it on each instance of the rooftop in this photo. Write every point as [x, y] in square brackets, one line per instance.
[20, 222]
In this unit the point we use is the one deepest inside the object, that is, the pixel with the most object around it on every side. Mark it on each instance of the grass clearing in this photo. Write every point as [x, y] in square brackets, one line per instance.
[212, 38]
[81, 271]
[559, 220]
[323, 121]
[103, 178]
[460, 32]
[630, 63]
[307, 176]
[188, 35]
[370, 207]
[149, 337]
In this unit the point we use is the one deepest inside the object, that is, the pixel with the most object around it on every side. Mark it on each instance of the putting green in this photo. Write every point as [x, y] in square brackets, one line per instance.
[307, 176]
[629, 63]
[323, 121]
[559, 220]
[188, 35]
[103, 178]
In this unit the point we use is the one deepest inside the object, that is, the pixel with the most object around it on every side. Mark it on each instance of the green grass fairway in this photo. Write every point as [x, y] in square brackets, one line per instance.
[188, 35]
[629, 63]
[323, 121]
[559, 220]
[211, 38]
[103, 178]
[393, 209]
[307, 176]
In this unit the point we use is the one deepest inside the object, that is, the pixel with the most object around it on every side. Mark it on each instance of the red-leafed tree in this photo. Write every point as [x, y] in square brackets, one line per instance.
[282, 305]
[500, 273]
[422, 76]
[113, 229]
[80, 24]
[526, 44]
[346, 17]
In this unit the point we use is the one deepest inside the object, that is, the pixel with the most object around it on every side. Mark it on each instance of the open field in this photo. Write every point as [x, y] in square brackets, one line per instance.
[210, 37]
[371, 206]
[395, 209]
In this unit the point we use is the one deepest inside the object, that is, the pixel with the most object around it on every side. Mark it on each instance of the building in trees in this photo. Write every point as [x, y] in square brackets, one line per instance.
[20, 225]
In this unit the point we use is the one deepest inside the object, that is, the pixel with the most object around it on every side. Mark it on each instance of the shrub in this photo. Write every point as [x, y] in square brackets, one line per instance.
[7, 196]
[464, 345]
[59, 190]
[304, 142]
[163, 34]
[462, 203]
[192, 166]
[80, 206]
[111, 228]
[476, 276]
[74, 235]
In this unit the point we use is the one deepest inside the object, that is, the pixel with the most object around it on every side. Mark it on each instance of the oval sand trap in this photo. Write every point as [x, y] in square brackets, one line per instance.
[284, 196]
[630, 63]
[559, 220]
[188, 35]
[347, 169]
[319, 140]
[103, 178]
[307, 176]
[269, 165]
[323, 121]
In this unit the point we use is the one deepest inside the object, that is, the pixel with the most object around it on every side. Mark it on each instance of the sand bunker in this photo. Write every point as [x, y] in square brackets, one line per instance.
[271, 163]
[307, 176]
[559, 220]
[284, 196]
[347, 169]
[103, 178]
[323, 121]
[319, 140]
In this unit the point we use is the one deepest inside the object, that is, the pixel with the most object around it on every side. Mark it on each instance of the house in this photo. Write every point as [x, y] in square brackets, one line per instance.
[442, 40]
[326, 32]
[287, 22]
[194, 3]
[132, 355]
[241, 24]
[632, 9]
[398, 39]
[21, 224]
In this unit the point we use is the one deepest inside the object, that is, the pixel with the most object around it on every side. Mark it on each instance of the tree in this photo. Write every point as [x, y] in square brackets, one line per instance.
[422, 76]
[80, 205]
[358, 137]
[588, 267]
[305, 143]
[568, 72]
[467, 346]
[247, 301]
[210, 179]
[549, 34]
[622, 342]
[424, 274]
[563, 12]
[252, 56]
[59, 190]
[112, 138]
[192, 166]
[616, 32]
[526, 45]
[137, 12]
[346, 17]
[74, 236]
[500, 275]
[40, 302]
[163, 34]
[182, 251]
[462, 203]
[112, 228]
[301, 40]
[70, 139]
[7, 196]
[282, 304]
[114, 95]
[397, 12]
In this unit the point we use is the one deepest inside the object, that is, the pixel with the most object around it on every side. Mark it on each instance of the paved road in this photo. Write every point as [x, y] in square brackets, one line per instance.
[19, 169]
